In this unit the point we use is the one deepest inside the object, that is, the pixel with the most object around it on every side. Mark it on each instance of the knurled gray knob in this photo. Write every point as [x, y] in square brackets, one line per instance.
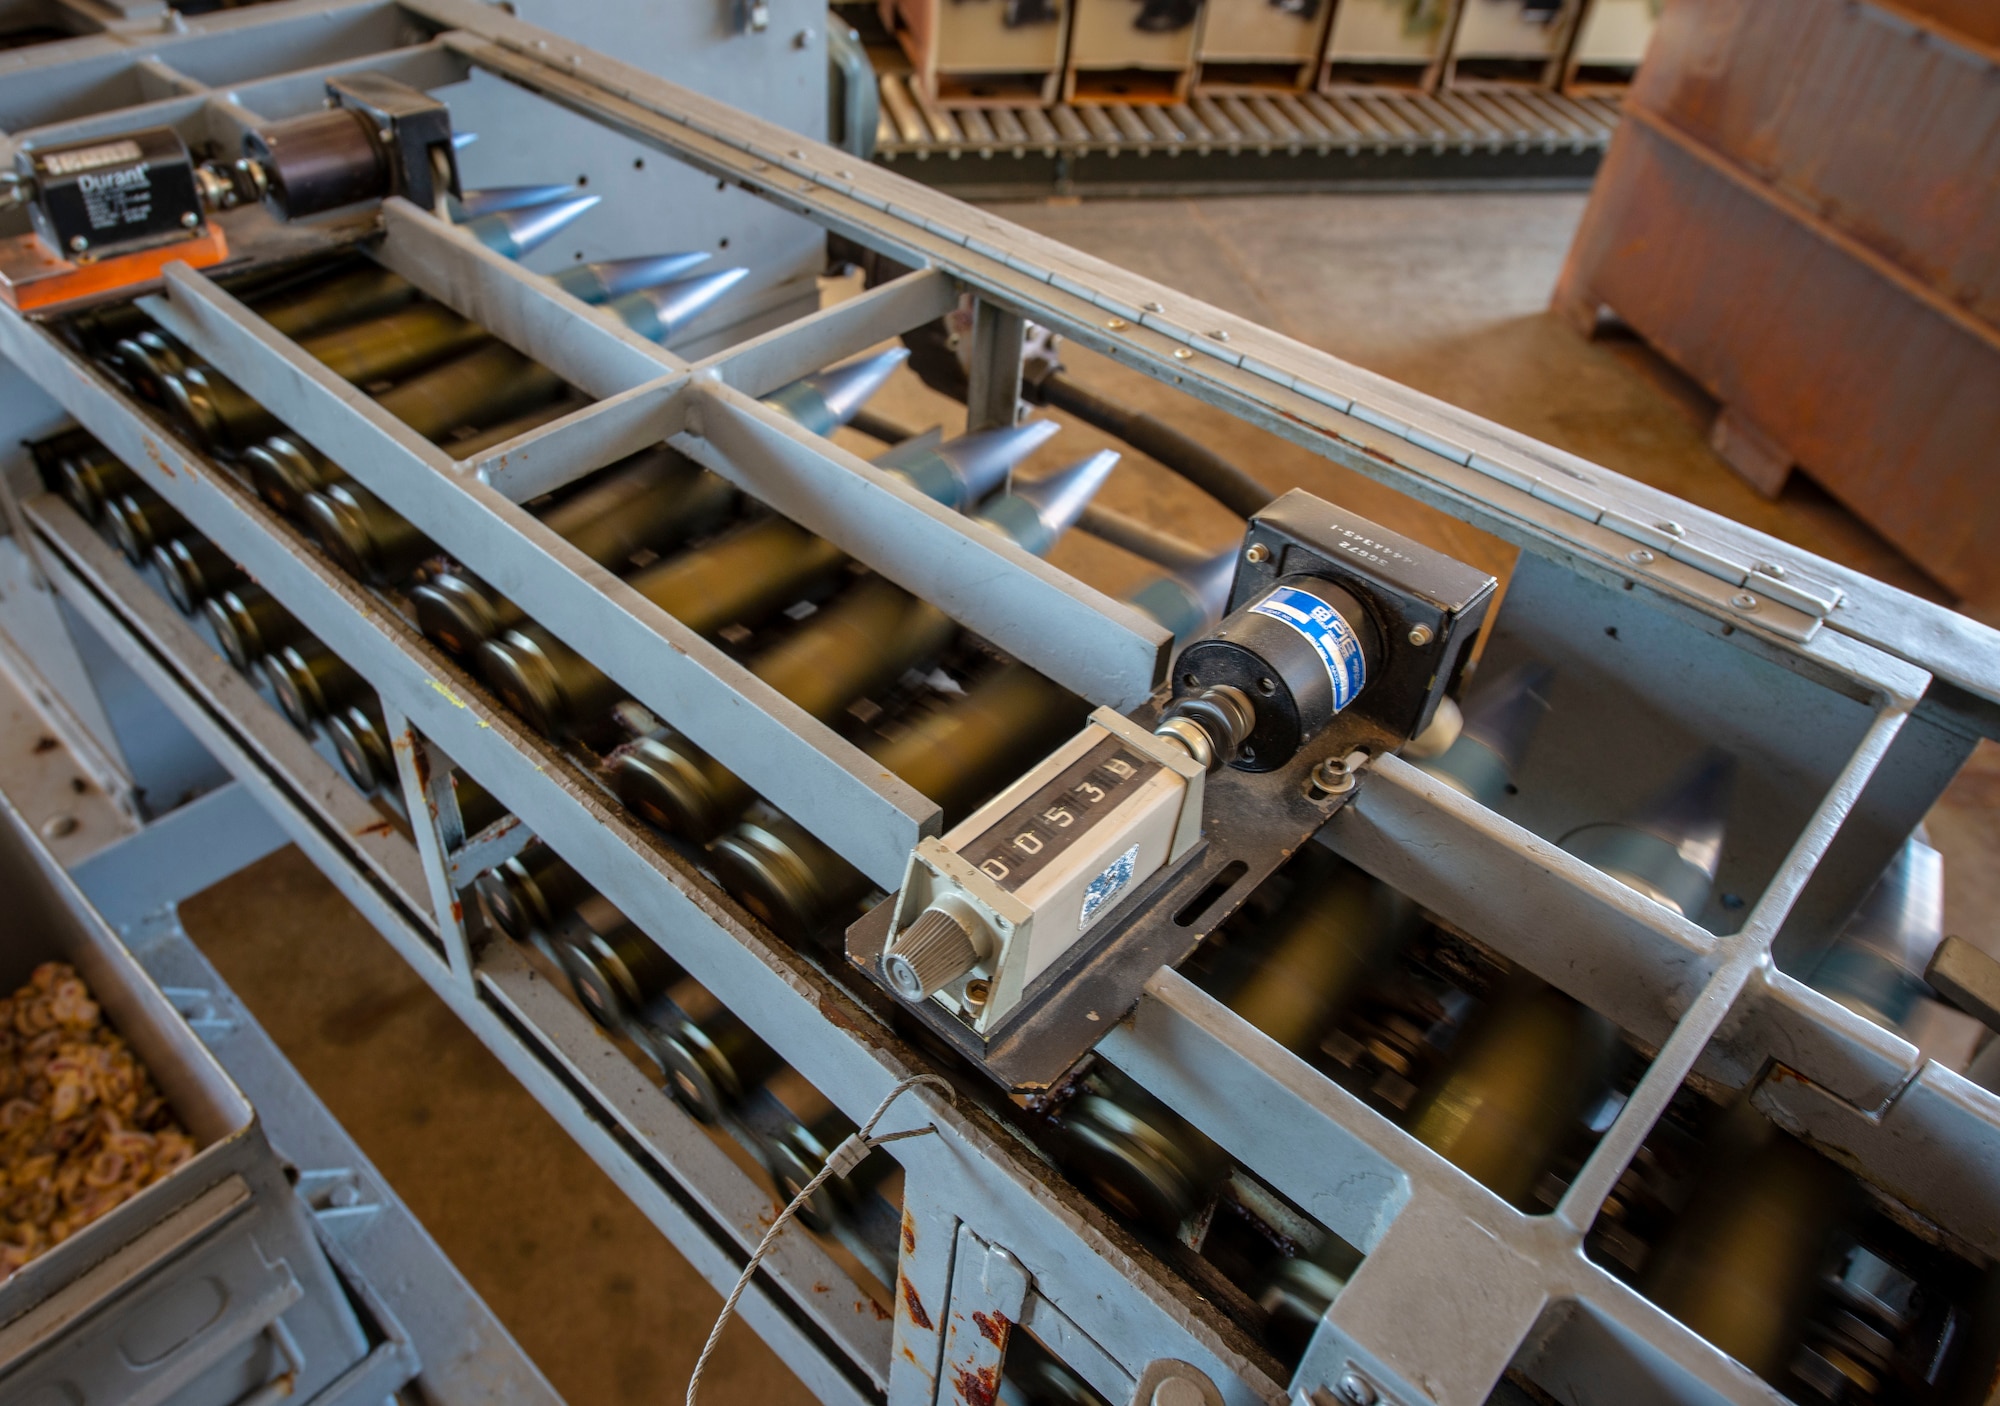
[929, 954]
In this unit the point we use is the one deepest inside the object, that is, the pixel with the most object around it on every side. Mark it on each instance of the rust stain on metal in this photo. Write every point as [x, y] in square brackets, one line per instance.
[978, 1388]
[913, 1305]
[379, 827]
[993, 1327]
[882, 1315]
[45, 743]
[153, 453]
[909, 1234]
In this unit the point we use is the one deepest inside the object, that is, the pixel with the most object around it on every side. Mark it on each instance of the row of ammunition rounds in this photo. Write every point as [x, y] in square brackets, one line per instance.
[439, 372]
[711, 1063]
[317, 692]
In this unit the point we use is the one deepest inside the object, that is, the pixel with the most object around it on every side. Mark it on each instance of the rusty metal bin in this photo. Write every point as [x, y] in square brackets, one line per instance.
[1799, 212]
[204, 1289]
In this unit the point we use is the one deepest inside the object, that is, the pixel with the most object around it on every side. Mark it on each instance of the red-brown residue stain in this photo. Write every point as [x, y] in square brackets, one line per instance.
[819, 1288]
[993, 1327]
[153, 453]
[913, 1305]
[978, 1388]
[379, 827]
[45, 744]
[457, 911]
[909, 1234]
[881, 1314]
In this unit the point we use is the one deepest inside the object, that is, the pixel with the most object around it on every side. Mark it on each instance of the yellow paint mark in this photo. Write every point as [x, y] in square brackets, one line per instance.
[449, 696]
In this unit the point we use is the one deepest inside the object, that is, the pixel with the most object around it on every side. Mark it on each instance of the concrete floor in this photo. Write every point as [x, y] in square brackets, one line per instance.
[1443, 292]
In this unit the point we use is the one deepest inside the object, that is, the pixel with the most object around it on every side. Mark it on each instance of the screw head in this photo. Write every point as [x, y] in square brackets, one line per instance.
[1639, 556]
[1156, 307]
[79, 243]
[1672, 529]
[1356, 1389]
[1743, 600]
[1420, 635]
[190, 220]
[1770, 569]
[1116, 324]
[1182, 354]
[1257, 554]
[1219, 335]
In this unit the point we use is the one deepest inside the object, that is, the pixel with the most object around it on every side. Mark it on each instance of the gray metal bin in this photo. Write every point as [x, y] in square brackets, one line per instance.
[208, 1287]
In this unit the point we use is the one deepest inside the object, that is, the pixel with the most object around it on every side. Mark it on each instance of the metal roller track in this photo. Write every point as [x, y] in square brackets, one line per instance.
[1851, 703]
[1526, 139]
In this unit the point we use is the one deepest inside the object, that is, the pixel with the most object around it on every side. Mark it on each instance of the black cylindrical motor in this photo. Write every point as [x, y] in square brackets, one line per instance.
[320, 162]
[1275, 673]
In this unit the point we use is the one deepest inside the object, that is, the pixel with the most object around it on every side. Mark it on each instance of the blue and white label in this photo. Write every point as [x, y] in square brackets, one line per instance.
[1107, 886]
[1331, 637]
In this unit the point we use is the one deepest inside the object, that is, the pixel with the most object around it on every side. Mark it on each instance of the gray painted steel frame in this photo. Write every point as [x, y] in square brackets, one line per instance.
[1518, 1290]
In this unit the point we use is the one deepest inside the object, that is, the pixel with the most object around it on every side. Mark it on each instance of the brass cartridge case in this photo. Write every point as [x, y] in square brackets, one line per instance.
[1742, 1266]
[616, 974]
[1297, 975]
[650, 502]
[710, 1057]
[357, 295]
[864, 640]
[530, 892]
[471, 445]
[141, 520]
[740, 578]
[284, 469]
[360, 737]
[369, 540]
[960, 753]
[312, 682]
[780, 872]
[249, 623]
[91, 477]
[473, 390]
[1147, 1162]
[1520, 1078]
[395, 345]
[193, 569]
[795, 1151]
[957, 755]
[215, 410]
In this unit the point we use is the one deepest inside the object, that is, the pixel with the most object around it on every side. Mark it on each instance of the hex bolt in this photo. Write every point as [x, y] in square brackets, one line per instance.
[1420, 635]
[1258, 554]
[1356, 1389]
[1639, 556]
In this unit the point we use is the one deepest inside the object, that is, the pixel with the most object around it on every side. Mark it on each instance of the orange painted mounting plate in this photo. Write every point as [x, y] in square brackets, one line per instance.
[34, 279]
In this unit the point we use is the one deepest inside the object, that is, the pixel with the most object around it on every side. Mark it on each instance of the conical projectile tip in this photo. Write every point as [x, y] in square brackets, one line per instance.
[1060, 498]
[984, 460]
[517, 233]
[849, 386]
[489, 200]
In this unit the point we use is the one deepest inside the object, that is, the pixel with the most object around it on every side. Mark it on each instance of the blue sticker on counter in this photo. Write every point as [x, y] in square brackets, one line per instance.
[1107, 886]
[1331, 637]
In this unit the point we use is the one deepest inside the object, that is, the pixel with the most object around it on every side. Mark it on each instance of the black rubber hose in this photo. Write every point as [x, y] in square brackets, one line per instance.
[1161, 442]
[876, 427]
